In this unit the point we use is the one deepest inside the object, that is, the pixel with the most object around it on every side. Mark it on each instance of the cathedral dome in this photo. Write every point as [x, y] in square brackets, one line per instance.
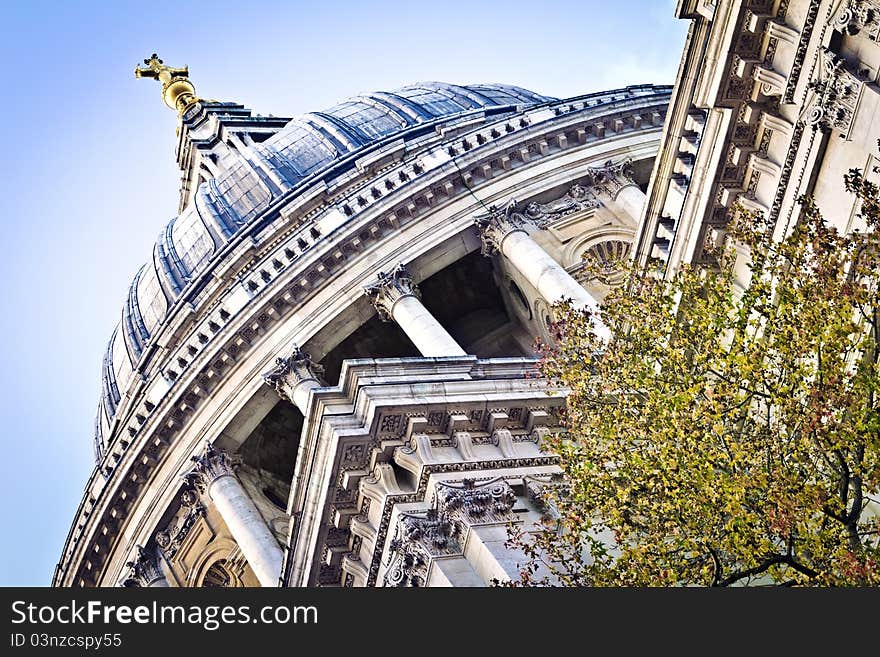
[283, 165]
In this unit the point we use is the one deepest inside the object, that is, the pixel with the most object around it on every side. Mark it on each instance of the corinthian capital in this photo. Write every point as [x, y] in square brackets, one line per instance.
[210, 465]
[859, 17]
[610, 179]
[837, 95]
[144, 569]
[391, 288]
[291, 371]
[498, 223]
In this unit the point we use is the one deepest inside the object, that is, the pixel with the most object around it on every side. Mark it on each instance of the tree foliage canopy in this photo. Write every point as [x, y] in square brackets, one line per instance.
[725, 436]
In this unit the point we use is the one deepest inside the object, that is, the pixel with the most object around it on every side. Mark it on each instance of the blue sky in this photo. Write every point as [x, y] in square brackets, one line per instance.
[89, 176]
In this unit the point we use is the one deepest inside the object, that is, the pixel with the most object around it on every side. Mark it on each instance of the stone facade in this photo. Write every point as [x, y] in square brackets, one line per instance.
[326, 374]
[775, 99]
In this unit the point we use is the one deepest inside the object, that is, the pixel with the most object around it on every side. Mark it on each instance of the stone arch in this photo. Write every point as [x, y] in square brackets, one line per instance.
[222, 556]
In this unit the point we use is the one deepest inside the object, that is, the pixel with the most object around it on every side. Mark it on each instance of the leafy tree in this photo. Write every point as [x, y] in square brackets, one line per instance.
[724, 436]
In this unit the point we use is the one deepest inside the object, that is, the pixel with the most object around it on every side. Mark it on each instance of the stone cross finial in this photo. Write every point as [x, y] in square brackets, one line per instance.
[177, 91]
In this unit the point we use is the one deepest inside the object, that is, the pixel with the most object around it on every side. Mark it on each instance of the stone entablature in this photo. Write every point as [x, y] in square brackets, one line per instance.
[386, 432]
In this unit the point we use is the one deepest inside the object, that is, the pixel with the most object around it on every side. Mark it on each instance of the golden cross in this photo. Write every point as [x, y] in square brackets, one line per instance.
[177, 91]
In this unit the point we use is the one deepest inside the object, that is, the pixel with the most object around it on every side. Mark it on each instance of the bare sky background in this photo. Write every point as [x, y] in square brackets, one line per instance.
[89, 178]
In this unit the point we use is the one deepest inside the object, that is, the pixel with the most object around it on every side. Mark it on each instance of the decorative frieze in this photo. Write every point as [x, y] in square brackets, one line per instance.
[575, 200]
[171, 538]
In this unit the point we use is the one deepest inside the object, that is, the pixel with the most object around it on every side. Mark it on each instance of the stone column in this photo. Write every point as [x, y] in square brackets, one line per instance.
[145, 570]
[213, 474]
[397, 298]
[615, 186]
[295, 377]
[504, 231]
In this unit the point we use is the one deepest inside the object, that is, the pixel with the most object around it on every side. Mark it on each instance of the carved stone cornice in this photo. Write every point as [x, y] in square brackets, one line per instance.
[476, 503]
[291, 371]
[210, 465]
[171, 538]
[859, 17]
[391, 288]
[144, 569]
[837, 95]
[419, 538]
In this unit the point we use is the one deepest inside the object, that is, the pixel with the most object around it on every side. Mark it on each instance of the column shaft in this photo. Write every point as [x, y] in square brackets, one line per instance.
[248, 528]
[300, 396]
[426, 333]
[548, 276]
[631, 200]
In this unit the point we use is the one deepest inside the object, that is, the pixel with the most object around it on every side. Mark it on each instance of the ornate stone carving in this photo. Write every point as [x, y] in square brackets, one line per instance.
[210, 465]
[291, 371]
[859, 17]
[609, 180]
[476, 503]
[837, 95]
[417, 539]
[576, 199]
[389, 289]
[144, 569]
[497, 224]
[540, 488]
[170, 539]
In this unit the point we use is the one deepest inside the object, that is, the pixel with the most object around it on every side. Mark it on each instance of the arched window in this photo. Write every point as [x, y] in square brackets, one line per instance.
[218, 576]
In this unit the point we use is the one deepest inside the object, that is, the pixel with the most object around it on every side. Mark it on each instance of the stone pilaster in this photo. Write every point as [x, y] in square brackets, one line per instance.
[483, 510]
[418, 539]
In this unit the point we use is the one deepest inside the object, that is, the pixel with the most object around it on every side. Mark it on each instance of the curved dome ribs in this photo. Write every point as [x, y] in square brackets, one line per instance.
[109, 385]
[172, 280]
[136, 334]
[338, 132]
[254, 175]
